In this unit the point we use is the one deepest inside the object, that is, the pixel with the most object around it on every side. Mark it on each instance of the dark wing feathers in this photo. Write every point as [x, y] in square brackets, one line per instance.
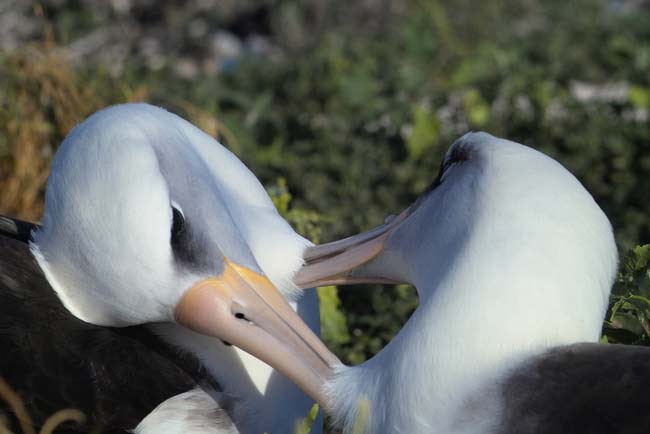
[580, 389]
[118, 376]
[54, 361]
[16, 229]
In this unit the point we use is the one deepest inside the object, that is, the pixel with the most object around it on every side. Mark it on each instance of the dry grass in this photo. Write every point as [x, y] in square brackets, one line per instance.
[18, 409]
[41, 100]
[26, 425]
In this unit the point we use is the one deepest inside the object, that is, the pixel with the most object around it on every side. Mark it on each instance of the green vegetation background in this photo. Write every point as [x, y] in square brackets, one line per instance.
[345, 109]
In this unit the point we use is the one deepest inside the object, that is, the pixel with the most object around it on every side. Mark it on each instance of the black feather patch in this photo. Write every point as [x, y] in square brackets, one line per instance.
[582, 388]
[178, 224]
[55, 361]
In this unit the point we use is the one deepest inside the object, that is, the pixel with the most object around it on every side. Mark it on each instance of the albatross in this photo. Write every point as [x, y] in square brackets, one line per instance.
[148, 220]
[513, 262]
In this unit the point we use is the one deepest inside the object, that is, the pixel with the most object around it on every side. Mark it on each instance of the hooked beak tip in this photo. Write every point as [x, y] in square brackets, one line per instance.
[242, 307]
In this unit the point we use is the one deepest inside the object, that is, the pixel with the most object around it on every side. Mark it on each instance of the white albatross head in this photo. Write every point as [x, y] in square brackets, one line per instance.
[497, 202]
[139, 227]
[510, 256]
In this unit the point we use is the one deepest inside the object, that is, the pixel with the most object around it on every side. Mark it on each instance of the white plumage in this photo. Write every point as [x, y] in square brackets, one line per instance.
[510, 256]
[115, 179]
[509, 253]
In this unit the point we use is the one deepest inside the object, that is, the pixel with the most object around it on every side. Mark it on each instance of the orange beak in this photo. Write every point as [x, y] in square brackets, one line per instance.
[243, 307]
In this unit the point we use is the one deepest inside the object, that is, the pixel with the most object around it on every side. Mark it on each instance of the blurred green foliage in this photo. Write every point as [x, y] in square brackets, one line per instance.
[334, 329]
[359, 124]
[304, 427]
[628, 319]
[358, 108]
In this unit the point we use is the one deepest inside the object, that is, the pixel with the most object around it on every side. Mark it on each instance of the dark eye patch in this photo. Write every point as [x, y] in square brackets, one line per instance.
[457, 155]
[189, 247]
[178, 224]
[181, 240]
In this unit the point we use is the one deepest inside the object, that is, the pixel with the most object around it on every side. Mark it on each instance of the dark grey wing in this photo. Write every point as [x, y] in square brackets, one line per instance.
[580, 389]
[54, 361]
[17, 229]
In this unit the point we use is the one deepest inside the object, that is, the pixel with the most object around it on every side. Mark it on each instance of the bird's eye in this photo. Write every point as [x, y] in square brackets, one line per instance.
[243, 317]
[178, 222]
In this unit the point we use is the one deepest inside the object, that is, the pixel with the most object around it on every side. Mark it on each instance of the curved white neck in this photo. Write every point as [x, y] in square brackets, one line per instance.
[478, 316]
